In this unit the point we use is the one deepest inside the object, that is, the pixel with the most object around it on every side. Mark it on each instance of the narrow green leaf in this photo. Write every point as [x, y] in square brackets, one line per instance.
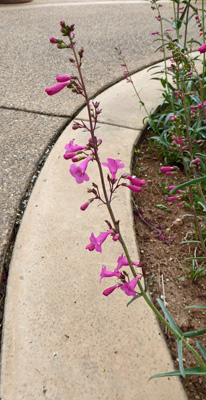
[190, 241]
[201, 349]
[134, 298]
[149, 281]
[203, 206]
[188, 183]
[194, 333]
[195, 258]
[189, 371]
[179, 348]
[203, 307]
[169, 317]
[161, 207]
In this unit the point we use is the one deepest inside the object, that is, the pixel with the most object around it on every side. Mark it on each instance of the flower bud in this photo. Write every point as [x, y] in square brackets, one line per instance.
[85, 205]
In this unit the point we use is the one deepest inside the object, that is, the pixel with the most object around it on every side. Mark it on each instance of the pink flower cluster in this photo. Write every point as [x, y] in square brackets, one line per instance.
[63, 80]
[169, 170]
[127, 287]
[177, 143]
[195, 109]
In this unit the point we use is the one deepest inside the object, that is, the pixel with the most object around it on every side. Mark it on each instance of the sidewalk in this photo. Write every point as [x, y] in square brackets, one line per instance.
[63, 340]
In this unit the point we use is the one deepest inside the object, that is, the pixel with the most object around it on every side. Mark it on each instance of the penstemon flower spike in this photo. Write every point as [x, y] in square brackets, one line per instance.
[79, 173]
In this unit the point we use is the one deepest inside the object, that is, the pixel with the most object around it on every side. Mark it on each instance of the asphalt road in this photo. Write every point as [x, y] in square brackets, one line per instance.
[31, 120]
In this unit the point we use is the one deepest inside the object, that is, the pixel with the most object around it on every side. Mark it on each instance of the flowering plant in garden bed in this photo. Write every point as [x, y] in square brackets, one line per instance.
[179, 122]
[134, 283]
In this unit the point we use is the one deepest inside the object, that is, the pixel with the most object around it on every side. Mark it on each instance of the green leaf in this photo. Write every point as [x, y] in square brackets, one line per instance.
[188, 183]
[201, 349]
[162, 207]
[190, 241]
[149, 281]
[134, 298]
[169, 317]
[194, 333]
[203, 206]
[189, 371]
[202, 307]
[195, 258]
[179, 348]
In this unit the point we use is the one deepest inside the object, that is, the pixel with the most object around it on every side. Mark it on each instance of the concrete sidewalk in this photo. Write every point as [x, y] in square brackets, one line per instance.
[62, 339]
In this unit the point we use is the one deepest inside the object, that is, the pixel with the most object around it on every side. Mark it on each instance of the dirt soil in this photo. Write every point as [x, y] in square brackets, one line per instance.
[165, 258]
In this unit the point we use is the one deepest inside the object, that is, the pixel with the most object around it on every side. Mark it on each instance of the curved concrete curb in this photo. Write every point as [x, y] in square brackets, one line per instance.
[62, 339]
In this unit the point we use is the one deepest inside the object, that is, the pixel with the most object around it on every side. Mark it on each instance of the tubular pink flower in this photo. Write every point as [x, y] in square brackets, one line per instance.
[122, 261]
[134, 188]
[113, 166]
[109, 290]
[202, 49]
[135, 181]
[180, 204]
[172, 198]
[71, 147]
[128, 288]
[78, 172]
[56, 88]
[63, 78]
[115, 237]
[166, 169]
[53, 40]
[84, 206]
[68, 155]
[95, 243]
[195, 161]
[173, 187]
[108, 274]
[155, 33]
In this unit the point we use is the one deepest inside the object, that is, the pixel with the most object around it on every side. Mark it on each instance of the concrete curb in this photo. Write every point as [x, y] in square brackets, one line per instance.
[62, 339]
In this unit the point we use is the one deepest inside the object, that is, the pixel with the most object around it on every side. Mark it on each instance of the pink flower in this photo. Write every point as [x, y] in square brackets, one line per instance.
[53, 40]
[63, 78]
[167, 169]
[110, 290]
[195, 161]
[172, 198]
[72, 148]
[155, 33]
[95, 243]
[113, 166]
[202, 49]
[133, 188]
[116, 237]
[173, 187]
[128, 288]
[122, 261]
[180, 204]
[56, 88]
[135, 181]
[108, 274]
[78, 172]
[85, 205]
